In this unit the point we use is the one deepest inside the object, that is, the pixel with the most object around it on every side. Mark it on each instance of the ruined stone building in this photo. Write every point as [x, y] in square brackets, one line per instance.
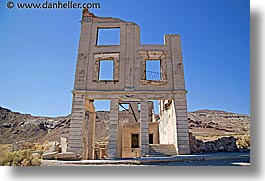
[133, 84]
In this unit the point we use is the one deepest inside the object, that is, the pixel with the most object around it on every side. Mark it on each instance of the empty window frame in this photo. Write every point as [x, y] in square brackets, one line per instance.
[135, 141]
[108, 36]
[151, 138]
[153, 70]
[106, 70]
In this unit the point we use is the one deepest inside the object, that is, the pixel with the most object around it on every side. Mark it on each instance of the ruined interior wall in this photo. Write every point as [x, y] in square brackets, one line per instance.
[153, 129]
[134, 128]
[167, 125]
[128, 130]
[125, 117]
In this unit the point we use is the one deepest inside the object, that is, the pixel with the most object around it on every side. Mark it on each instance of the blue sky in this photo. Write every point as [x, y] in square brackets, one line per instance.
[38, 50]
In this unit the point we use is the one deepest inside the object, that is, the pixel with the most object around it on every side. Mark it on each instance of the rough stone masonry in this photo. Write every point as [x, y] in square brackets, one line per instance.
[131, 82]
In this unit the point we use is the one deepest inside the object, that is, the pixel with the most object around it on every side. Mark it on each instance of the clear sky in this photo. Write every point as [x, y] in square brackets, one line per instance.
[38, 51]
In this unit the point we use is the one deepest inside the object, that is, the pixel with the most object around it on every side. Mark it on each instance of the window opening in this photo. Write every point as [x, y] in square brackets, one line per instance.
[151, 140]
[106, 70]
[153, 70]
[135, 140]
[108, 36]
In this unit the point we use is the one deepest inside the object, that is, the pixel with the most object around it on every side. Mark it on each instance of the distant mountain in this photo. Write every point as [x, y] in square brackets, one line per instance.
[204, 124]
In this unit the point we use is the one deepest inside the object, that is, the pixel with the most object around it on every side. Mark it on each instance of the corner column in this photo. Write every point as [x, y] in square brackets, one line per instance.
[76, 124]
[144, 126]
[89, 130]
[180, 103]
[182, 132]
[113, 128]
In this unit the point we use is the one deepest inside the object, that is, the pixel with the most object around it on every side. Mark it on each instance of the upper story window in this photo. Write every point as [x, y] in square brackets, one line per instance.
[106, 67]
[153, 70]
[153, 67]
[106, 70]
[108, 36]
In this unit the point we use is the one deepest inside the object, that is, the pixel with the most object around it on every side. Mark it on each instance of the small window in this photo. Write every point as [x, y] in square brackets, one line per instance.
[153, 70]
[151, 139]
[135, 140]
[139, 107]
[108, 36]
[106, 70]
[156, 106]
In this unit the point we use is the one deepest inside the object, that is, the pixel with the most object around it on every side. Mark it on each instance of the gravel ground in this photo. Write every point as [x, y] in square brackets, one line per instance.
[222, 162]
[226, 162]
[209, 159]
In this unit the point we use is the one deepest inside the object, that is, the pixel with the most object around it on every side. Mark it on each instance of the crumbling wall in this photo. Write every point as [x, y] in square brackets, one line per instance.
[125, 138]
[224, 144]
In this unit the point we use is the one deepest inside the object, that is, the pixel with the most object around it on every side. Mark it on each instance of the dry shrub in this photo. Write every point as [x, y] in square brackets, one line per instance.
[23, 157]
[243, 142]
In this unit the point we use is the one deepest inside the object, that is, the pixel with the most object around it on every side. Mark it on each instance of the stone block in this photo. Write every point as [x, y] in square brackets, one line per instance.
[184, 151]
[74, 125]
[76, 137]
[77, 122]
[183, 142]
[183, 138]
[78, 106]
[144, 126]
[183, 146]
[182, 127]
[68, 156]
[72, 133]
[76, 142]
[78, 110]
[182, 118]
[144, 111]
[49, 156]
[112, 153]
[183, 134]
[181, 122]
[73, 129]
[73, 147]
[182, 130]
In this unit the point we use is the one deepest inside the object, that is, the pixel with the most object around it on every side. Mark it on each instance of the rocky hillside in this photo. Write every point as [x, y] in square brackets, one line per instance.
[204, 124]
[16, 127]
[211, 124]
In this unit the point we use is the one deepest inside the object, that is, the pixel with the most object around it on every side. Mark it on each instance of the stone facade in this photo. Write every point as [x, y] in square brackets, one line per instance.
[130, 84]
